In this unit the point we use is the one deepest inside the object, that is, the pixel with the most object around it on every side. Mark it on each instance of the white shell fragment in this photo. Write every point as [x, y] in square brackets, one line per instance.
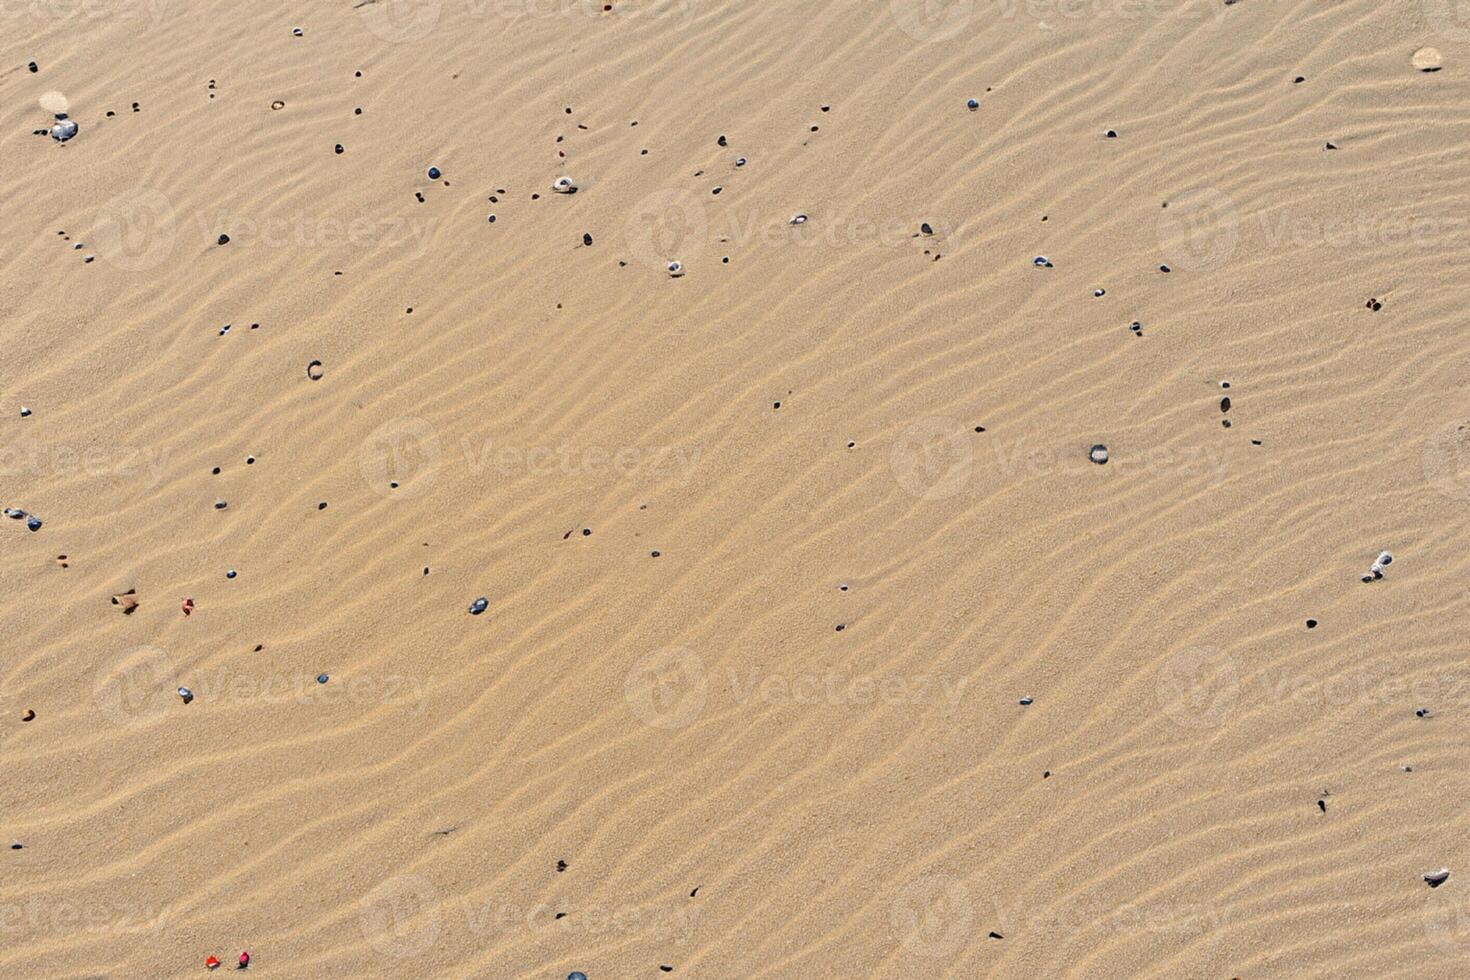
[564, 185]
[676, 269]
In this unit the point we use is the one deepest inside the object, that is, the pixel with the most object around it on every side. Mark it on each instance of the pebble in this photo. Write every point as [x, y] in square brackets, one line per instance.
[1422, 712]
[16, 845]
[435, 173]
[221, 504]
[1041, 262]
[223, 239]
[34, 523]
[676, 269]
[322, 678]
[33, 67]
[1436, 878]
[576, 975]
[479, 606]
[564, 185]
[297, 32]
[1025, 701]
[314, 370]
[14, 513]
[186, 694]
[1427, 59]
[798, 219]
[1111, 134]
[1098, 454]
[64, 129]
[230, 573]
[1099, 292]
[1375, 571]
[972, 104]
[24, 412]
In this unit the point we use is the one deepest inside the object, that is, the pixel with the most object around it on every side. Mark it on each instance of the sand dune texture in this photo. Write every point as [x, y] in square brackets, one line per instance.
[814, 644]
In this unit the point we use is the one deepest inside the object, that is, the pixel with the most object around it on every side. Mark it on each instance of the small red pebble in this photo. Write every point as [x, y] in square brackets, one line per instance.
[244, 960]
[211, 962]
[188, 606]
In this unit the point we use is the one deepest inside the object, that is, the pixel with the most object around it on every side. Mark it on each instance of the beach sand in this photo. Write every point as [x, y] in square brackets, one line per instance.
[773, 550]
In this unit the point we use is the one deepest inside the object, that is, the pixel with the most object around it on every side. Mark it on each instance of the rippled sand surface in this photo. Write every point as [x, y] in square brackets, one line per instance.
[773, 551]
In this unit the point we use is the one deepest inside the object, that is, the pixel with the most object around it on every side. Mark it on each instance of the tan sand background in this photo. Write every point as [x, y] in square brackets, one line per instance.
[869, 801]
